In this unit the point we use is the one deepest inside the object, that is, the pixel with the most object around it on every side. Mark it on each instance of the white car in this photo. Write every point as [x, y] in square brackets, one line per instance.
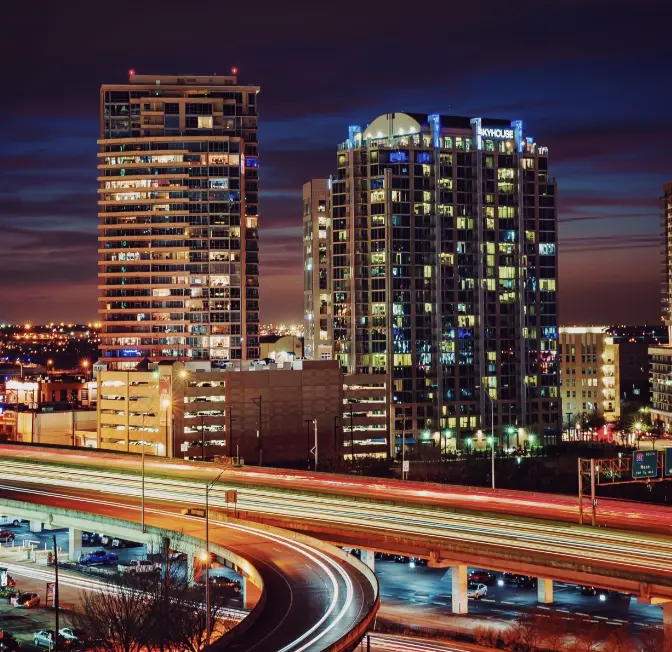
[139, 567]
[70, 634]
[476, 591]
[45, 638]
[10, 520]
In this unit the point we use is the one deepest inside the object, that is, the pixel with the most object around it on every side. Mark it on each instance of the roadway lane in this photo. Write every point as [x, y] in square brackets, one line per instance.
[313, 598]
[547, 544]
[613, 513]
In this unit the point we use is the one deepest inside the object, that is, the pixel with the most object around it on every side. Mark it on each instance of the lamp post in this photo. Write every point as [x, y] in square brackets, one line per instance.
[208, 622]
[257, 402]
[308, 422]
[491, 439]
[492, 427]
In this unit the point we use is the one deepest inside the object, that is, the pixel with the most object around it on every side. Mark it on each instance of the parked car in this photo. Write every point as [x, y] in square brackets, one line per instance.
[588, 590]
[526, 581]
[476, 591]
[105, 539]
[8, 642]
[510, 578]
[224, 584]
[91, 538]
[139, 567]
[417, 561]
[6, 536]
[98, 558]
[482, 576]
[45, 638]
[175, 556]
[27, 600]
[10, 520]
[71, 636]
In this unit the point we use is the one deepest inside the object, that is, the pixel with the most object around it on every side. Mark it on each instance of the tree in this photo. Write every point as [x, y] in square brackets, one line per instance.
[620, 641]
[155, 612]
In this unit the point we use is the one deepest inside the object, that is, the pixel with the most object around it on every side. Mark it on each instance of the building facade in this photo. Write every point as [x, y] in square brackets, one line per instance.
[443, 273]
[264, 413]
[318, 319]
[178, 209]
[589, 373]
[660, 357]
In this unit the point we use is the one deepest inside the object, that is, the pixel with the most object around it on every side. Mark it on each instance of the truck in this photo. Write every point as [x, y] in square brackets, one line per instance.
[98, 557]
[139, 567]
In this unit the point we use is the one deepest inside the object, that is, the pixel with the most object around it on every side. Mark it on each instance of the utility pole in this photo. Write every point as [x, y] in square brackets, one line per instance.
[352, 436]
[315, 424]
[202, 439]
[257, 401]
[208, 616]
[56, 607]
[308, 422]
[593, 501]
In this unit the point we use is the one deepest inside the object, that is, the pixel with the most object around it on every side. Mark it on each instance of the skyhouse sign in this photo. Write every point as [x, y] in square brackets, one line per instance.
[496, 132]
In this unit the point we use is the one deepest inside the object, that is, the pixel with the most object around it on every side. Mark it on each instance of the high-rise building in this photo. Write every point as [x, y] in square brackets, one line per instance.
[178, 208]
[318, 330]
[589, 373]
[444, 274]
[660, 357]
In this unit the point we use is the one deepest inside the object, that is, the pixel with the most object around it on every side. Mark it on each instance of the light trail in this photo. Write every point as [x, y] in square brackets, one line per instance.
[628, 549]
[308, 552]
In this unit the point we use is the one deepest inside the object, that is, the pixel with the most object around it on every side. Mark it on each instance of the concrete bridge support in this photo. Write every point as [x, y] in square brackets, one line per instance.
[544, 591]
[74, 543]
[460, 597]
[35, 526]
[251, 594]
[667, 622]
[369, 558]
[190, 568]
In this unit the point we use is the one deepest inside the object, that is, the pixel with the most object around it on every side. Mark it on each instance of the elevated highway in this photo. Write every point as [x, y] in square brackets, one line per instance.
[390, 516]
[313, 596]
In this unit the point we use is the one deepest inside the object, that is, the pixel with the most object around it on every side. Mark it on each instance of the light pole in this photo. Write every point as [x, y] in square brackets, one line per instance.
[492, 428]
[491, 439]
[208, 622]
[257, 402]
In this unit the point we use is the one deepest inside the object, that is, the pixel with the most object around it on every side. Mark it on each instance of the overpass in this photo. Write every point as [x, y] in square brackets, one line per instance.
[313, 596]
[443, 531]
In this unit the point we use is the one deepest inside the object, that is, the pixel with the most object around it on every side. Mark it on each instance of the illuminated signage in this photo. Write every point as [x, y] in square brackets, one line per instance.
[221, 184]
[645, 464]
[490, 132]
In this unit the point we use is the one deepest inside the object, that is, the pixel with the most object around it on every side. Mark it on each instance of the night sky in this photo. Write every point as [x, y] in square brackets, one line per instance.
[589, 78]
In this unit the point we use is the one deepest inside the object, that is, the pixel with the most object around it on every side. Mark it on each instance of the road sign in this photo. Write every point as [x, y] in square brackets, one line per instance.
[406, 466]
[668, 461]
[645, 464]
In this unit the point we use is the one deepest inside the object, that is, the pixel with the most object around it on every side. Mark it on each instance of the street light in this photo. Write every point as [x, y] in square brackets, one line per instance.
[208, 623]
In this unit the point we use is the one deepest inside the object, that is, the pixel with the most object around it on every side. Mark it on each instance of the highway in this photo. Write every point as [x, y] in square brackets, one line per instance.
[624, 515]
[313, 600]
[619, 560]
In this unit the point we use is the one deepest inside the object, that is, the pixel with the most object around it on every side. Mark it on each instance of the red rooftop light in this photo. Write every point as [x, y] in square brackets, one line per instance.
[234, 71]
[131, 72]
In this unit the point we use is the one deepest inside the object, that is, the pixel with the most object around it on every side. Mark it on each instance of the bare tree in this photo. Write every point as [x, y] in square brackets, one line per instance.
[117, 618]
[620, 641]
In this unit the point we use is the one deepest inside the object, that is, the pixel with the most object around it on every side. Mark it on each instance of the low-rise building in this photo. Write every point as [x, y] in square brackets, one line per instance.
[589, 373]
[263, 413]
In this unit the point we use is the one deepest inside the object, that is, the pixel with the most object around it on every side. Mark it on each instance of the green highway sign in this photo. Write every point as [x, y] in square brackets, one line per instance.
[668, 461]
[645, 464]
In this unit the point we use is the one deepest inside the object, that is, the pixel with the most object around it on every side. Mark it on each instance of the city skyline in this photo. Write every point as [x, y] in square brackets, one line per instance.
[595, 99]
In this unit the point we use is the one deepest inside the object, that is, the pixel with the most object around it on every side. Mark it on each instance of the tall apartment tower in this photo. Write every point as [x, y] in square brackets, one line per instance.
[318, 331]
[444, 275]
[178, 208]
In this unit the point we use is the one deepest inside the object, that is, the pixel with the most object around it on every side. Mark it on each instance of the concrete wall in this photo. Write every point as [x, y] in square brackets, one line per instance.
[56, 427]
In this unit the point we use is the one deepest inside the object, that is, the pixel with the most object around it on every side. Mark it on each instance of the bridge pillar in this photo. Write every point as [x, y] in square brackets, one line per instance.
[460, 598]
[369, 558]
[190, 568]
[544, 591]
[251, 593]
[74, 543]
[35, 526]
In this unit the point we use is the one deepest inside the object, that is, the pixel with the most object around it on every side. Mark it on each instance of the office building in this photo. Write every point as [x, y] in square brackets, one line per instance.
[589, 374]
[178, 208]
[443, 270]
[196, 411]
[318, 318]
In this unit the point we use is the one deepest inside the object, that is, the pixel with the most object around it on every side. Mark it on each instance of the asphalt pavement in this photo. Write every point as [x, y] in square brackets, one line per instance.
[427, 591]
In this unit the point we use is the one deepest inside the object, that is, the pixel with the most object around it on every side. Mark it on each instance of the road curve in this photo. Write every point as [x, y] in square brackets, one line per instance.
[313, 598]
